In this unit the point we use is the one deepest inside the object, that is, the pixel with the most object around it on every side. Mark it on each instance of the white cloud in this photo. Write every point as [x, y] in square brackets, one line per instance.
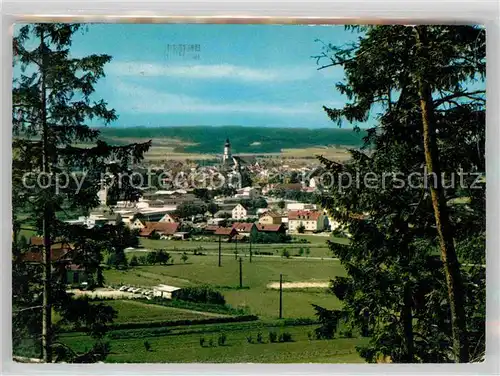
[139, 99]
[218, 71]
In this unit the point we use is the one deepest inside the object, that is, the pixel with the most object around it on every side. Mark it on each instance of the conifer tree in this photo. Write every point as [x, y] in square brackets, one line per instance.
[53, 105]
[425, 83]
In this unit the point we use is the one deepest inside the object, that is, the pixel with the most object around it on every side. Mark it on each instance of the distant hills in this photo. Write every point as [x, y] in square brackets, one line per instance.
[206, 139]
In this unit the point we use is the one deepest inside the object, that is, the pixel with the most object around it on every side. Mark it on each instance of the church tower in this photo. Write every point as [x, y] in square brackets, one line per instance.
[227, 152]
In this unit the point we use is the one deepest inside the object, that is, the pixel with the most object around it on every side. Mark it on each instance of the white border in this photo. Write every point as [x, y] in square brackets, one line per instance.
[448, 11]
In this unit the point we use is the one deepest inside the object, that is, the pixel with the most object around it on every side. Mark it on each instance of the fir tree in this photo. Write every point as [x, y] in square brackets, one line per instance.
[420, 80]
[53, 104]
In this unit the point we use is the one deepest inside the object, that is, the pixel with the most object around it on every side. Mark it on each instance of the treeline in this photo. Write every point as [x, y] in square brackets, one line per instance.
[243, 139]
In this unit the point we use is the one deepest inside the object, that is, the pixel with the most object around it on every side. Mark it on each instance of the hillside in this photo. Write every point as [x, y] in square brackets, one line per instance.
[207, 139]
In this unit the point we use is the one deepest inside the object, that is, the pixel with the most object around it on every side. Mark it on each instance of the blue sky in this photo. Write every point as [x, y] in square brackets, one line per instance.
[252, 75]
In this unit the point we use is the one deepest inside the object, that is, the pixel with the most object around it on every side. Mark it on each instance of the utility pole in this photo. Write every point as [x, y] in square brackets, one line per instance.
[281, 296]
[220, 254]
[241, 274]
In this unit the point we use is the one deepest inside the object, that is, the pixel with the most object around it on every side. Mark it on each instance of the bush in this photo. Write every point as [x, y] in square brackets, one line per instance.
[202, 341]
[310, 335]
[222, 339]
[286, 337]
[211, 342]
[184, 257]
[143, 260]
[249, 339]
[273, 336]
[259, 337]
[285, 253]
[201, 294]
[147, 346]
[134, 261]
[346, 333]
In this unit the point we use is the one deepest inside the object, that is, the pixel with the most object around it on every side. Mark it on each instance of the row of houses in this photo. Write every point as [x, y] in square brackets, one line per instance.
[243, 231]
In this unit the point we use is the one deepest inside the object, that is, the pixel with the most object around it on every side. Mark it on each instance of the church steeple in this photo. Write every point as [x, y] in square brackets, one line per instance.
[227, 152]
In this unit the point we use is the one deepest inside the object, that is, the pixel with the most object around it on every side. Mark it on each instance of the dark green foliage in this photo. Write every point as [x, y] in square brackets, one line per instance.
[143, 260]
[184, 257]
[259, 337]
[271, 139]
[161, 324]
[53, 104]
[155, 236]
[285, 337]
[221, 341]
[147, 346]
[329, 321]
[134, 261]
[273, 336]
[285, 253]
[249, 339]
[202, 341]
[201, 294]
[395, 290]
[270, 238]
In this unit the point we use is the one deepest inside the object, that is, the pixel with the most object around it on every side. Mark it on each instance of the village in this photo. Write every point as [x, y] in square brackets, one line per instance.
[234, 212]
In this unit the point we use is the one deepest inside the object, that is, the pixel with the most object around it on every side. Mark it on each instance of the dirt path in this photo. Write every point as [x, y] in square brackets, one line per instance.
[298, 285]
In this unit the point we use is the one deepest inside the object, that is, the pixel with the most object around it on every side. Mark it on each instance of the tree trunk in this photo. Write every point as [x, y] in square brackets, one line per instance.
[47, 217]
[447, 246]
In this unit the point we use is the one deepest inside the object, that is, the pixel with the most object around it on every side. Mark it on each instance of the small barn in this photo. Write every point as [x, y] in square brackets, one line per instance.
[166, 291]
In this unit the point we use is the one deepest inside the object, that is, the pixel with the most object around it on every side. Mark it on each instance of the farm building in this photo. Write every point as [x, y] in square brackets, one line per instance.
[166, 292]
[270, 218]
[160, 228]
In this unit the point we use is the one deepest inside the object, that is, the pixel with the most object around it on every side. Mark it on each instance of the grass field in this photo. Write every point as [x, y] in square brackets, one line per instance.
[317, 246]
[255, 296]
[130, 311]
[183, 345]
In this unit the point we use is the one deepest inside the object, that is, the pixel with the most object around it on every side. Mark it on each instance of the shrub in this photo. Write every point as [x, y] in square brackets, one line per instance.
[147, 346]
[347, 333]
[273, 336]
[285, 253]
[222, 339]
[211, 342]
[134, 261]
[310, 335]
[249, 339]
[286, 337]
[201, 294]
[202, 341]
[259, 337]
[143, 260]
[184, 257]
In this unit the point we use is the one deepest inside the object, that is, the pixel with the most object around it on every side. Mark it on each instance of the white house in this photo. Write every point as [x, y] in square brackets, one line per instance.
[309, 219]
[239, 212]
[300, 206]
[247, 192]
[169, 218]
[137, 224]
